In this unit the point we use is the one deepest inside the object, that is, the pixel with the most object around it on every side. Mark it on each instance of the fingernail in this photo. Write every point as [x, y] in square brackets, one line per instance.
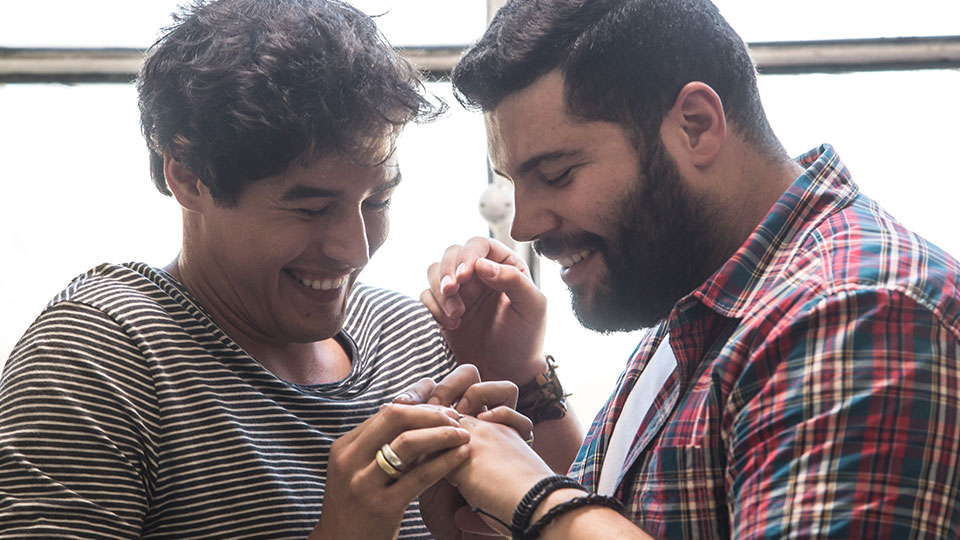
[445, 282]
[433, 401]
[404, 397]
[464, 434]
[463, 405]
[449, 306]
[461, 268]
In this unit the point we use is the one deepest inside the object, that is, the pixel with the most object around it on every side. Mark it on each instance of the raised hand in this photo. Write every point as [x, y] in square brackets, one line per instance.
[491, 312]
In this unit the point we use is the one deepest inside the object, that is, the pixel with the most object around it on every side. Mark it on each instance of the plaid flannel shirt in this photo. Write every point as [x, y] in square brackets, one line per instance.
[817, 387]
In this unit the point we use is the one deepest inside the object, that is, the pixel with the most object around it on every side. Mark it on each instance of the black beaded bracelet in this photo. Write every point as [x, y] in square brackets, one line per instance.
[593, 499]
[528, 504]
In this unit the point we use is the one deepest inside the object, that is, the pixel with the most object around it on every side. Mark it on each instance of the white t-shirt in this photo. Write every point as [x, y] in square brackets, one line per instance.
[634, 410]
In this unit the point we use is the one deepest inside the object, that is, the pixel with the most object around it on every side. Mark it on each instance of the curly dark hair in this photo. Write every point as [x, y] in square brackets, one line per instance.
[623, 61]
[236, 90]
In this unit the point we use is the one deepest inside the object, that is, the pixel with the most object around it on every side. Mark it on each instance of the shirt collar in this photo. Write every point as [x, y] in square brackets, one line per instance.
[821, 190]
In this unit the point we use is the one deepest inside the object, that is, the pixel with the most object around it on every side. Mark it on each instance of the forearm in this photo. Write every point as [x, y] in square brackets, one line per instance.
[593, 522]
[558, 441]
[584, 522]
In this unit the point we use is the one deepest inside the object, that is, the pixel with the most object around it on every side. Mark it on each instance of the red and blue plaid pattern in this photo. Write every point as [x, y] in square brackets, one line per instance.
[817, 388]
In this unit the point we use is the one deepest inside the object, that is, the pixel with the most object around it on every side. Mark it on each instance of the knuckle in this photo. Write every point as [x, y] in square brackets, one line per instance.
[342, 457]
[337, 462]
[451, 251]
[339, 456]
[539, 297]
[501, 411]
[391, 412]
[510, 387]
[470, 372]
[420, 389]
[401, 442]
[442, 391]
[356, 486]
[451, 435]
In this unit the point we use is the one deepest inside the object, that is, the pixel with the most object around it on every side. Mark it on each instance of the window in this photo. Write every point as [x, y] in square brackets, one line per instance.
[77, 190]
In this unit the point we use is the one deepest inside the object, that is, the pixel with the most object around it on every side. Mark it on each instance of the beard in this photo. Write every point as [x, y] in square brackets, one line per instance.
[665, 243]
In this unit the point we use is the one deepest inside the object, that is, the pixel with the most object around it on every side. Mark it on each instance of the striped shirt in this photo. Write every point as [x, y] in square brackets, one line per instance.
[125, 412]
[817, 388]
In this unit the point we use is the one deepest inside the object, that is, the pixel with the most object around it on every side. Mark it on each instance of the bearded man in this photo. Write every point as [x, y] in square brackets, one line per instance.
[801, 372]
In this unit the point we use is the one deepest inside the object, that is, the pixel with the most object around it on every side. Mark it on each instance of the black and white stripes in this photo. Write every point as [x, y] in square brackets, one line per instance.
[126, 413]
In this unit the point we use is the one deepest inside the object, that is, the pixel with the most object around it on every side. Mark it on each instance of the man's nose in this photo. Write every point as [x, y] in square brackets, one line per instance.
[533, 215]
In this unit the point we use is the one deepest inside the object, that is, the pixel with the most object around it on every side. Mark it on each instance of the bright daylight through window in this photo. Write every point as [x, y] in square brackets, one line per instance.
[78, 192]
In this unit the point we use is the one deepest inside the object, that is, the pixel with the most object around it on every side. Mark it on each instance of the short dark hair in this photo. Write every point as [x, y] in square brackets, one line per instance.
[236, 90]
[623, 61]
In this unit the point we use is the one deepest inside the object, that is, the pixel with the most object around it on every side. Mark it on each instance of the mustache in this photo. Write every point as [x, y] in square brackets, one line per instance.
[554, 246]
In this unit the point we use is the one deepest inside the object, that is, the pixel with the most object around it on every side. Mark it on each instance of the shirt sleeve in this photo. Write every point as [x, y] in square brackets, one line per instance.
[75, 430]
[855, 431]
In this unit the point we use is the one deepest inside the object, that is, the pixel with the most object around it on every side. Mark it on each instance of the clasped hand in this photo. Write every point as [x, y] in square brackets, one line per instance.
[501, 466]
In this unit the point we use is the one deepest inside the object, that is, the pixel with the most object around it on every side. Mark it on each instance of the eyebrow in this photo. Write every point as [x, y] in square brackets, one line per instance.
[301, 191]
[394, 182]
[536, 160]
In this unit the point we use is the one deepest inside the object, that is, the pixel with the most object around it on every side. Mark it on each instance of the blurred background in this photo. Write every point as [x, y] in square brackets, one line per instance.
[877, 79]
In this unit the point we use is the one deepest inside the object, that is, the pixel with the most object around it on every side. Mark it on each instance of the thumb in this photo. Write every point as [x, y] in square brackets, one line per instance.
[417, 393]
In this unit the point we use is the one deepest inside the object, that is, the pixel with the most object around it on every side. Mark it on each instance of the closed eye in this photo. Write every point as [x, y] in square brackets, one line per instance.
[559, 180]
[311, 213]
[378, 206]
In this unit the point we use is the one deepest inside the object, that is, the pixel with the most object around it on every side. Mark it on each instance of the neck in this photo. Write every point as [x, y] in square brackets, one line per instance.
[751, 184]
[764, 182]
[317, 362]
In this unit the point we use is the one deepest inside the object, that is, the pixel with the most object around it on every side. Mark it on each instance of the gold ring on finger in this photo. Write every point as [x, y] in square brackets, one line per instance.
[386, 467]
[392, 457]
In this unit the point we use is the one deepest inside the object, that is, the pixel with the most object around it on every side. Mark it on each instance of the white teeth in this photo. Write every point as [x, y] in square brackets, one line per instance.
[567, 262]
[324, 285]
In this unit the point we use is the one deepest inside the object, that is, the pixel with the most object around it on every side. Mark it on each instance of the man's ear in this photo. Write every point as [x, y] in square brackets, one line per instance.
[697, 124]
[184, 184]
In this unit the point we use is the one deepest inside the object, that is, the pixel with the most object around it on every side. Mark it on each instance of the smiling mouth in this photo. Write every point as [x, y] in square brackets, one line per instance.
[570, 260]
[320, 284]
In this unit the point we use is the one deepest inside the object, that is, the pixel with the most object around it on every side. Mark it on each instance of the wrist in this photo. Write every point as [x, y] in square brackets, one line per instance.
[535, 496]
[530, 372]
[568, 509]
[543, 397]
[554, 499]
